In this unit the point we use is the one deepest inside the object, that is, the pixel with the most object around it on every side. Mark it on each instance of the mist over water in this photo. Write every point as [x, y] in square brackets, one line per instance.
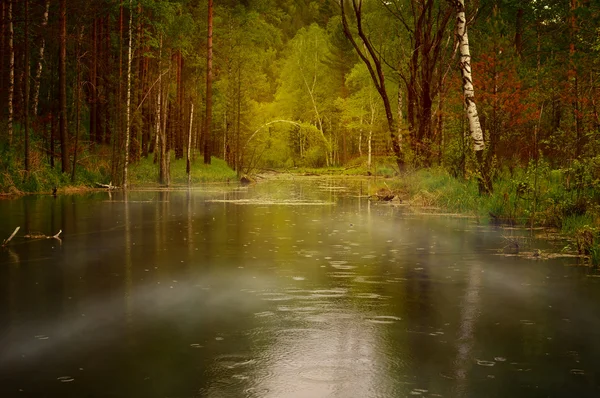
[283, 289]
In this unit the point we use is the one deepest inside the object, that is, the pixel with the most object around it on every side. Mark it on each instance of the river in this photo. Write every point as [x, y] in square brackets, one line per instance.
[287, 288]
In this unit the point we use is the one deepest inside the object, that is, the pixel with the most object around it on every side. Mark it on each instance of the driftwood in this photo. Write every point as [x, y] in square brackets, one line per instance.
[108, 186]
[42, 236]
[5, 242]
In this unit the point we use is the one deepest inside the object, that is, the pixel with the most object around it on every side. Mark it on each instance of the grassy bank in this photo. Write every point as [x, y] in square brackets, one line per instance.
[537, 196]
[94, 167]
[145, 172]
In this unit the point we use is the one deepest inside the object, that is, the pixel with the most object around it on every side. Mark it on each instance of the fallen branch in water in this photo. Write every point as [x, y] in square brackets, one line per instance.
[107, 186]
[5, 242]
[42, 236]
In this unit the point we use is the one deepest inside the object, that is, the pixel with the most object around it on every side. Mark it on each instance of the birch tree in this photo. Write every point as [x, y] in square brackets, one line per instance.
[11, 71]
[374, 63]
[209, 79]
[63, 86]
[38, 70]
[26, 93]
[128, 102]
[469, 94]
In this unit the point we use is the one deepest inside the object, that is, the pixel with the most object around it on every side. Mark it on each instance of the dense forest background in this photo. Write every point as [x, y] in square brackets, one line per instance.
[92, 86]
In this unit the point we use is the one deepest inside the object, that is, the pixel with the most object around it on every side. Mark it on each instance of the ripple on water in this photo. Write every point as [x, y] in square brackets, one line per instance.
[482, 362]
[341, 274]
[233, 361]
[263, 314]
[341, 264]
[326, 373]
[384, 319]
[368, 295]
[363, 279]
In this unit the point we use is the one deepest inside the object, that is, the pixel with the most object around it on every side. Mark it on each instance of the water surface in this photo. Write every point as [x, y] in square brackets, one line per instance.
[284, 289]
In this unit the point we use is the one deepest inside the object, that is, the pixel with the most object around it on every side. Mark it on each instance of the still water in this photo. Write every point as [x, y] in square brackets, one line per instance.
[283, 289]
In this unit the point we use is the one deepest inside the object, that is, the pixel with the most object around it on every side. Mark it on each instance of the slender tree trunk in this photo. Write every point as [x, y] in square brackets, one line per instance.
[11, 71]
[52, 136]
[189, 147]
[77, 102]
[165, 158]
[63, 87]
[236, 165]
[372, 60]
[26, 78]
[128, 102]
[209, 78]
[116, 155]
[519, 32]
[2, 49]
[370, 138]
[574, 80]
[469, 95]
[40, 63]
[94, 84]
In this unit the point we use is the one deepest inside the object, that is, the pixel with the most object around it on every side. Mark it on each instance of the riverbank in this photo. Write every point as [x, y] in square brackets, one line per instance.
[95, 169]
[556, 199]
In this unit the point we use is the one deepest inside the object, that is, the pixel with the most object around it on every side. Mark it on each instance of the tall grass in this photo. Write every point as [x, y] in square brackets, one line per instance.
[145, 172]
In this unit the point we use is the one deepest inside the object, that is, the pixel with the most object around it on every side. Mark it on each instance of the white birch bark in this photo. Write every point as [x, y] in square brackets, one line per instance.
[128, 102]
[370, 139]
[11, 72]
[400, 116]
[38, 71]
[465, 69]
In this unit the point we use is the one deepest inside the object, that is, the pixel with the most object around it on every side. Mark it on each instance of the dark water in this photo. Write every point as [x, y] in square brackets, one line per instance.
[299, 289]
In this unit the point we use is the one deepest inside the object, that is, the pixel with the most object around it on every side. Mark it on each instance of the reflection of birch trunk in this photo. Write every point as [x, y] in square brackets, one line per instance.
[469, 313]
[128, 265]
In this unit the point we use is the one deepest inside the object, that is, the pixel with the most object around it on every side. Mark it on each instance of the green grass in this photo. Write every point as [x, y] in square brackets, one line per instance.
[145, 172]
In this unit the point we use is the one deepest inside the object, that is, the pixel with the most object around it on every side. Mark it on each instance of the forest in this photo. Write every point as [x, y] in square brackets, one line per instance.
[89, 89]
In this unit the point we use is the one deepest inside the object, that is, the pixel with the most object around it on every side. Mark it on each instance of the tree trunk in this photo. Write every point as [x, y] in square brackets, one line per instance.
[77, 103]
[574, 80]
[372, 60]
[209, 78]
[11, 71]
[2, 49]
[189, 147]
[128, 102]
[519, 32]
[26, 78]
[469, 95]
[40, 63]
[63, 87]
